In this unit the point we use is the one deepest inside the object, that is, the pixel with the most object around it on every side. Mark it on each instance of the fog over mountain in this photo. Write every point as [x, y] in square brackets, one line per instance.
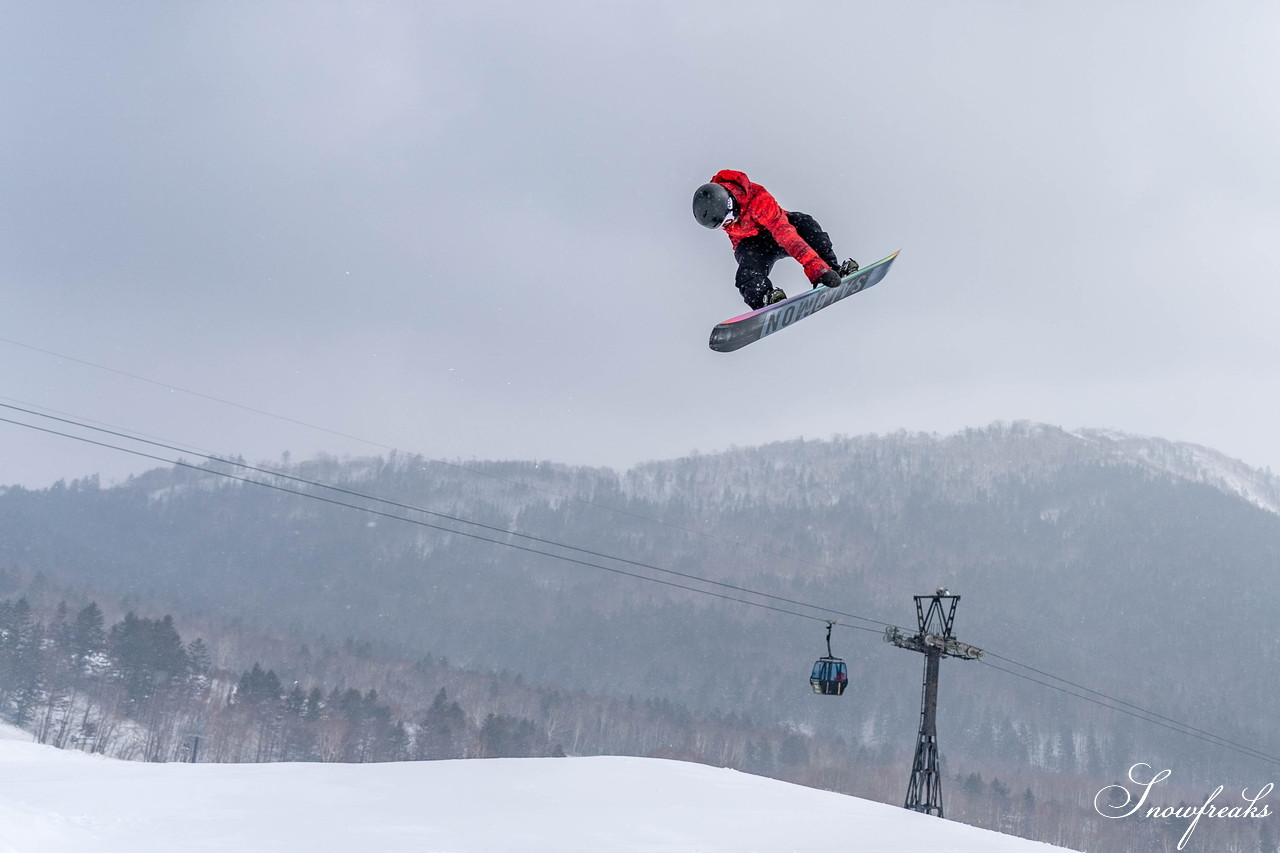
[1124, 565]
[1062, 544]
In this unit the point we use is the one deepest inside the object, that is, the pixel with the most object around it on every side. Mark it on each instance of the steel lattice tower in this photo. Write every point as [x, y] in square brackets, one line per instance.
[936, 614]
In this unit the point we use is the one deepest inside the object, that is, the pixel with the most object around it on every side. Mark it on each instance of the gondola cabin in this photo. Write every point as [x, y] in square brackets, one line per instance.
[830, 676]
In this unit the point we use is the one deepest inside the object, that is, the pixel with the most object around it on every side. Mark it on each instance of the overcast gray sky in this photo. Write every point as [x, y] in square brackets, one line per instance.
[463, 229]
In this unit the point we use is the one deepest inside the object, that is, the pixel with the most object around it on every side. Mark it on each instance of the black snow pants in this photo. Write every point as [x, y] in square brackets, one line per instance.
[757, 254]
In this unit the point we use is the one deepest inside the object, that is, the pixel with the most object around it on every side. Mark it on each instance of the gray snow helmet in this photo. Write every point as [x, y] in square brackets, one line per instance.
[712, 206]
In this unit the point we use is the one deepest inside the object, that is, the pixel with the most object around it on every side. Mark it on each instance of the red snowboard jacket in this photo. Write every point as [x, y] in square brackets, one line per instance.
[758, 210]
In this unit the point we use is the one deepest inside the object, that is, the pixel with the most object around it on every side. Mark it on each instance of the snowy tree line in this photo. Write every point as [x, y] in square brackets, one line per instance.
[136, 690]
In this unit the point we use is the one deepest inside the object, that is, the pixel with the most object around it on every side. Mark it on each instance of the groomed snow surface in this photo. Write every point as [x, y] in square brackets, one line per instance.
[53, 800]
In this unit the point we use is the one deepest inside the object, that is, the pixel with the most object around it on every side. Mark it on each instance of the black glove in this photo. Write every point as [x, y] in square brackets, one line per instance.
[830, 278]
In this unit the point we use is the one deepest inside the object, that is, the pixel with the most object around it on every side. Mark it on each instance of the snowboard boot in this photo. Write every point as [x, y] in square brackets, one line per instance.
[849, 267]
[775, 296]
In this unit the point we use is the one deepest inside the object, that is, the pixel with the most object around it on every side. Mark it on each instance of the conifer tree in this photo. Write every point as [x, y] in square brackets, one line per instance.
[442, 731]
[198, 657]
[87, 635]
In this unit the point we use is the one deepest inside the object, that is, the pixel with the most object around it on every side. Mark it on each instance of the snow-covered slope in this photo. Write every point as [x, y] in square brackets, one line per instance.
[52, 801]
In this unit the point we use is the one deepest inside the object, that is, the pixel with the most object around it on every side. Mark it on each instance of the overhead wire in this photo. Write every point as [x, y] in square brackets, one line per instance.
[466, 469]
[1121, 702]
[453, 465]
[1144, 714]
[1090, 695]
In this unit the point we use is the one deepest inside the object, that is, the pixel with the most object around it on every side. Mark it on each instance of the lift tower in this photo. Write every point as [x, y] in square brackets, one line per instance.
[936, 614]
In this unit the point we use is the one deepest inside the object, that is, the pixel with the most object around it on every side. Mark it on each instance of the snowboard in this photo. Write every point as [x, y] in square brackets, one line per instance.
[748, 328]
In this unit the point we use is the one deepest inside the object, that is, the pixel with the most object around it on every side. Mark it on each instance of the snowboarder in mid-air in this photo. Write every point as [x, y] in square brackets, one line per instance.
[762, 233]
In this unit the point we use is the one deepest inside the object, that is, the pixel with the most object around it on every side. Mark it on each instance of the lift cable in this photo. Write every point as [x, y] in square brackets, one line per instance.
[168, 444]
[1089, 695]
[1157, 718]
[1135, 711]
[464, 468]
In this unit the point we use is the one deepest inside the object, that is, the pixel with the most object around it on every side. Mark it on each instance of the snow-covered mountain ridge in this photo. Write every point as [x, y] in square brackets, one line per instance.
[795, 471]
[960, 466]
[1191, 462]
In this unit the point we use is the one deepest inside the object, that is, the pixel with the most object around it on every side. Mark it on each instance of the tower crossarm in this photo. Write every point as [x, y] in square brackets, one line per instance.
[923, 642]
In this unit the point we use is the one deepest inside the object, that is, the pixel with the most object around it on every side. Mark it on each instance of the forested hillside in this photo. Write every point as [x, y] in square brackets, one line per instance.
[1130, 566]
